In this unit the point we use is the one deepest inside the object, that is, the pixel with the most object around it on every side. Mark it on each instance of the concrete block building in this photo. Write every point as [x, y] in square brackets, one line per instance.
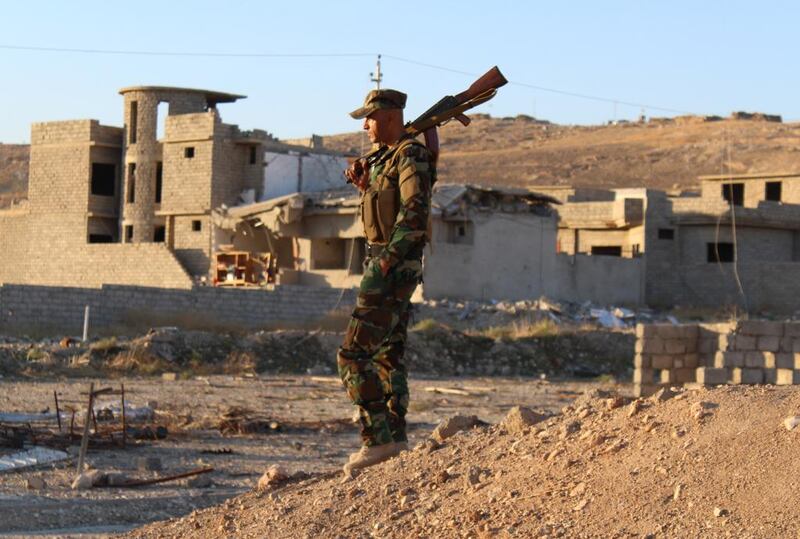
[735, 241]
[131, 205]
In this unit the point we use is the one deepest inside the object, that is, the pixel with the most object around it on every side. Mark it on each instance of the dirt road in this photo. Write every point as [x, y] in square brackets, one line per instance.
[311, 431]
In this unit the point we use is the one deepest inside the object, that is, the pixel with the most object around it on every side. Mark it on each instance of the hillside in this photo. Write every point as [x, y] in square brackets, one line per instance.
[523, 151]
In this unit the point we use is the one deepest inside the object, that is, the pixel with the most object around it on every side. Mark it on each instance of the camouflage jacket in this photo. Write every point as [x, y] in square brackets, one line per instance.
[413, 173]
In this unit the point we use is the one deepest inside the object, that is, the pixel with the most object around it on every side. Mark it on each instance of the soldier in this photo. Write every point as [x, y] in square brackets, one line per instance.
[395, 205]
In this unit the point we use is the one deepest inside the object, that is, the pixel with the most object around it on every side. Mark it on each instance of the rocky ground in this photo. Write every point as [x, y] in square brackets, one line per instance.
[302, 423]
[700, 463]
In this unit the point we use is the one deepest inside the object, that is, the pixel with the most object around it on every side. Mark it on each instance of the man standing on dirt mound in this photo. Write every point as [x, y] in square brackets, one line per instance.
[395, 184]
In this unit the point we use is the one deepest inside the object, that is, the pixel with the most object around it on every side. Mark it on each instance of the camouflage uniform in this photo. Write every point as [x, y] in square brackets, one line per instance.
[370, 360]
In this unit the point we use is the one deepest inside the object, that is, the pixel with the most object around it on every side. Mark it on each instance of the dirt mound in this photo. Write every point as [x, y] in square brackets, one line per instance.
[703, 463]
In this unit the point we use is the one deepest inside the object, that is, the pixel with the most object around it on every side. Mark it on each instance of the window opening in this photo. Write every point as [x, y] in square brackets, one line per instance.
[104, 177]
[134, 122]
[719, 252]
[159, 234]
[772, 191]
[131, 182]
[607, 250]
[733, 193]
[197, 226]
[128, 233]
[100, 238]
[666, 234]
[252, 155]
[188, 152]
[159, 180]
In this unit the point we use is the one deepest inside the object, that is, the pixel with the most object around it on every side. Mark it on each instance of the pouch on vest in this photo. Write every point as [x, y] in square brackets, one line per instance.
[369, 217]
[387, 205]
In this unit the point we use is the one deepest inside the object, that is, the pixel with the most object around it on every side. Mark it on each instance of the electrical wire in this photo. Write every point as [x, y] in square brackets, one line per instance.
[212, 54]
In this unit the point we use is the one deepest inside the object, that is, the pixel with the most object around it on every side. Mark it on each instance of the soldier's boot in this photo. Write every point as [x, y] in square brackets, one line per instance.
[371, 455]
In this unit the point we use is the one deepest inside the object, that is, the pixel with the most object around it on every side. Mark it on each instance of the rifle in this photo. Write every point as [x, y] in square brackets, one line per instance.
[446, 109]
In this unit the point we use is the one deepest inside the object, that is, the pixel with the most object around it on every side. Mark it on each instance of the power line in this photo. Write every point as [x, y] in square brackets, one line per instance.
[119, 52]
[543, 88]
[196, 54]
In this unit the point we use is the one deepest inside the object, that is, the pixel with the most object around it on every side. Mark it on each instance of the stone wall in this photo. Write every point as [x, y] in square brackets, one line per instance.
[745, 352]
[125, 309]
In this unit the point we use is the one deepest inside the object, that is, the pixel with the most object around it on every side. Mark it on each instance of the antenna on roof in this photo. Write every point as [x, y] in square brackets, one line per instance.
[377, 76]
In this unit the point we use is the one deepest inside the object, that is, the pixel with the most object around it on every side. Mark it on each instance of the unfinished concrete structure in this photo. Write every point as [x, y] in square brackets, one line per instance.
[132, 205]
[735, 242]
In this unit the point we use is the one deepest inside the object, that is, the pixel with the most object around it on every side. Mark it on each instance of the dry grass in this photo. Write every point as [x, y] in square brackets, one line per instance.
[521, 329]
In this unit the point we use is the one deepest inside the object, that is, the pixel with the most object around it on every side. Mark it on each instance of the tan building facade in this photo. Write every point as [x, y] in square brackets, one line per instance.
[110, 205]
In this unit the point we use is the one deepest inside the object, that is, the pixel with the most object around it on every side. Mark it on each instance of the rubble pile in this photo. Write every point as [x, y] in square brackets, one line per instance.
[494, 312]
[682, 463]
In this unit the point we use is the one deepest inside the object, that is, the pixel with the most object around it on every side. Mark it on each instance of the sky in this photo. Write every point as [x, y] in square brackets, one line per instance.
[305, 64]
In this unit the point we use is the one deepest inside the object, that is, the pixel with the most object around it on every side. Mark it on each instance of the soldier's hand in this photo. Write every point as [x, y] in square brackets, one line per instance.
[358, 175]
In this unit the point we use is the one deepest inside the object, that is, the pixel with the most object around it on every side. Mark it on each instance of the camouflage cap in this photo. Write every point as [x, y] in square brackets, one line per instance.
[380, 99]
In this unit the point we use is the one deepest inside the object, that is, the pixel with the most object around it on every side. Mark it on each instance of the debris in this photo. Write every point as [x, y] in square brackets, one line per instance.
[169, 376]
[448, 391]
[10, 417]
[149, 464]
[88, 479]
[791, 422]
[199, 481]
[520, 418]
[275, 474]
[453, 424]
[663, 394]
[35, 483]
[581, 505]
[220, 451]
[145, 482]
[31, 457]
[148, 433]
[607, 319]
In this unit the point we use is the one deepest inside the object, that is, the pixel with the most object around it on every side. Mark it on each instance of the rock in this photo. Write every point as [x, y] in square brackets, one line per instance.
[115, 479]
[581, 505]
[149, 464]
[634, 407]
[199, 481]
[791, 422]
[677, 493]
[569, 428]
[520, 418]
[88, 479]
[579, 489]
[719, 512]
[35, 483]
[614, 402]
[663, 394]
[453, 424]
[442, 477]
[473, 476]
[275, 474]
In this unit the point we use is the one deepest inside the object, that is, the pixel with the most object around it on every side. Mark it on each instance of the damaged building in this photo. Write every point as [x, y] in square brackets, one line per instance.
[733, 242]
[132, 205]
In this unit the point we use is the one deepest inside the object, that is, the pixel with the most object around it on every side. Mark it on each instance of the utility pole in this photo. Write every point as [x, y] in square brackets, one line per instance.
[377, 76]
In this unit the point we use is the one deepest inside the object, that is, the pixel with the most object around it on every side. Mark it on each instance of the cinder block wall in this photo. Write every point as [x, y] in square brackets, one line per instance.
[745, 352]
[59, 310]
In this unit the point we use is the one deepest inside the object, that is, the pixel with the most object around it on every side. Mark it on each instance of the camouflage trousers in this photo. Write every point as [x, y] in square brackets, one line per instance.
[370, 360]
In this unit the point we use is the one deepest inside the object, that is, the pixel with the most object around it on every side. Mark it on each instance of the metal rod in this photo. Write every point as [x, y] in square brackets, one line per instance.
[124, 428]
[165, 479]
[58, 410]
[85, 438]
[85, 323]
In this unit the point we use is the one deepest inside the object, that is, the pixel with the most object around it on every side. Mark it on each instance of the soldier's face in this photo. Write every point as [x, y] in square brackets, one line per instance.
[375, 125]
[381, 125]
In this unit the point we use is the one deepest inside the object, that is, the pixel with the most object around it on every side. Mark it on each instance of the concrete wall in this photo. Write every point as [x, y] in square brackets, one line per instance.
[743, 352]
[59, 310]
[291, 173]
[755, 189]
[603, 280]
[512, 257]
